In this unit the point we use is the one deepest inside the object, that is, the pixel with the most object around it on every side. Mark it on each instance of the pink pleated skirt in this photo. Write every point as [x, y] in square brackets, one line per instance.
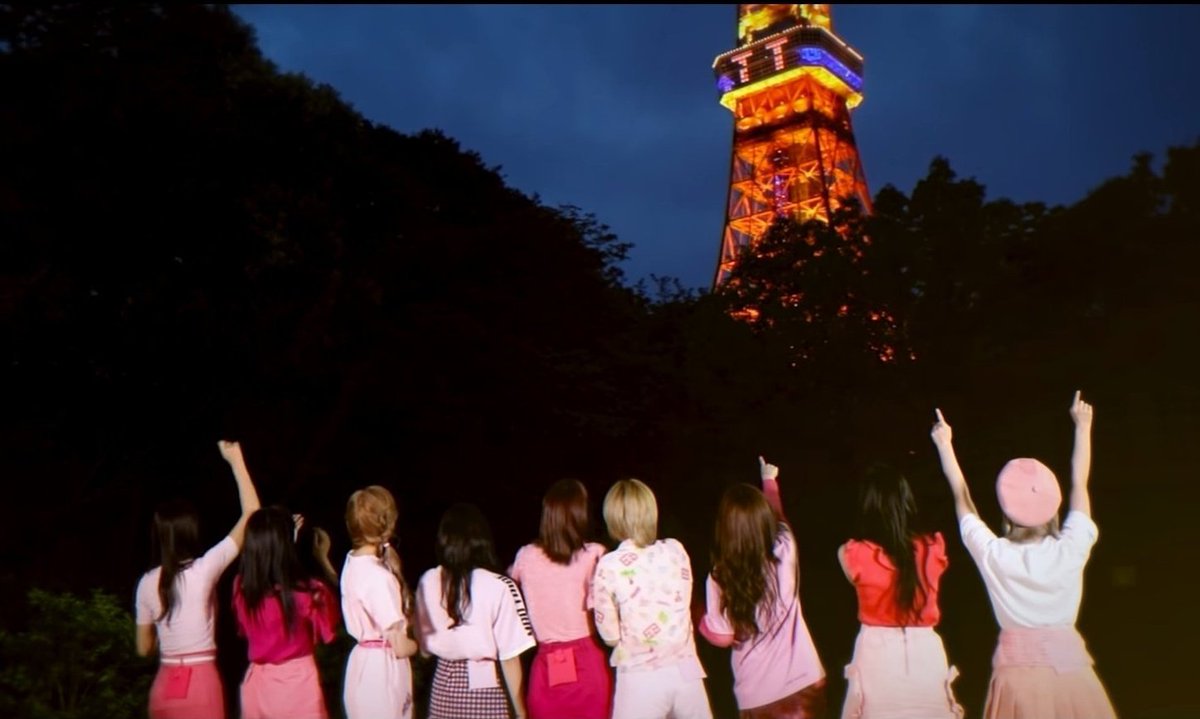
[1045, 672]
[570, 680]
[290, 690]
[187, 691]
[900, 673]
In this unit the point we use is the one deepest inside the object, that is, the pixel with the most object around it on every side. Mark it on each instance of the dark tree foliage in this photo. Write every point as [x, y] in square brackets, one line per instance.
[194, 244]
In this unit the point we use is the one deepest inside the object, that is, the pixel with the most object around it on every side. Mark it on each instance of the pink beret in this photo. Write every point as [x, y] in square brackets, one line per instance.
[1028, 491]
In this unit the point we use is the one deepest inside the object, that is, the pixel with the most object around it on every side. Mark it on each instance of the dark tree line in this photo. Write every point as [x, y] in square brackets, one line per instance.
[196, 244]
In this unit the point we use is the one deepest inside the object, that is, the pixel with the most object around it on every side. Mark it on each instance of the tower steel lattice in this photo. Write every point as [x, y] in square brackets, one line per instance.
[790, 83]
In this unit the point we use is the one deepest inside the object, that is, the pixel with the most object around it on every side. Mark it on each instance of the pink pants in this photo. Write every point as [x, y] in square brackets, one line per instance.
[290, 690]
[187, 691]
[570, 680]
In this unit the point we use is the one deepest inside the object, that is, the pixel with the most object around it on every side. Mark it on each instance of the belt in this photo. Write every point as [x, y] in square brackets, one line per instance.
[176, 660]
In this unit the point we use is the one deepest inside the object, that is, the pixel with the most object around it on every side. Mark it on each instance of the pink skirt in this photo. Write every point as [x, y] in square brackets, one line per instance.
[900, 673]
[1021, 692]
[570, 680]
[291, 689]
[1045, 672]
[187, 691]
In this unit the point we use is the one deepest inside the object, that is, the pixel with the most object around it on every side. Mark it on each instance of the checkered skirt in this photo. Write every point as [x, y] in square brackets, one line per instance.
[451, 698]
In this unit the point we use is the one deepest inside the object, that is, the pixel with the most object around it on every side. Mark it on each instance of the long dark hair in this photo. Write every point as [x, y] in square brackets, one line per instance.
[743, 557]
[564, 524]
[887, 517]
[464, 543]
[175, 543]
[270, 566]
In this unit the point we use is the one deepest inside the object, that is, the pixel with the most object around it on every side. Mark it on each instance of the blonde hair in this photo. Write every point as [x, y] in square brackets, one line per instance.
[631, 512]
[371, 516]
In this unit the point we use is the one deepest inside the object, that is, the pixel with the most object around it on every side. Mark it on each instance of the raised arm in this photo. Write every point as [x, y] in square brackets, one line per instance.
[1081, 457]
[770, 487]
[320, 548]
[247, 495]
[942, 436]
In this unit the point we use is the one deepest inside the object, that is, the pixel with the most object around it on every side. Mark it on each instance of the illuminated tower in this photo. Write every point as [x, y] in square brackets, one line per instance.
[791, 84]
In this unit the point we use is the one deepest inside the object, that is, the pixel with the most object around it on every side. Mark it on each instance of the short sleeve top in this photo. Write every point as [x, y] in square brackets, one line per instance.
[876, 578]
[495, 625]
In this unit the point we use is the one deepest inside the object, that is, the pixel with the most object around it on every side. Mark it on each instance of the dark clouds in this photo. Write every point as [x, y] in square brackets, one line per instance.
[614, 108]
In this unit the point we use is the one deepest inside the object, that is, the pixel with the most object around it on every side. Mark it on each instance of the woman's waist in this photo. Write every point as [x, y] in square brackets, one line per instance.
[550, 645]
[280, 656]
[187, 658]
[1061, 647]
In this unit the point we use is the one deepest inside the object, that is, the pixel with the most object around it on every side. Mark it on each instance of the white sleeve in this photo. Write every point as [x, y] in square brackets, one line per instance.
[511, 628]
[146, 602]
[1079, 535]
[976, 536]
[216, 560]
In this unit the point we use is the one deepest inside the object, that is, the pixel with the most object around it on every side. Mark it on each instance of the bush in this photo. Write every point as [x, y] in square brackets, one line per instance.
[75, 659]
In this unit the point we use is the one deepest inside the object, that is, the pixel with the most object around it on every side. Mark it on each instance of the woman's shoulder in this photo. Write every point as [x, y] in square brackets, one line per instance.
[855, 547]
[673, 544]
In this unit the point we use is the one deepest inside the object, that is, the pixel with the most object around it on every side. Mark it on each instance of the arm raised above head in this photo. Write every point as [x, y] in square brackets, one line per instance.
[247, 494]
[942, 437]
[1081, 456]
[770, 487]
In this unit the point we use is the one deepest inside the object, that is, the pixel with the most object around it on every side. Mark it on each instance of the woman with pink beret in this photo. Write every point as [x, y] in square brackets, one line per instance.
[1034, 578]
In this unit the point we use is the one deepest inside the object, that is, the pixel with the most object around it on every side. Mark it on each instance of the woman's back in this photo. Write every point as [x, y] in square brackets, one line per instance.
[642, 597]
[315, 618]
[559, 596]
[1033, 584]
[781, 658]
[876, 580]
[495, 625]
[190, 627]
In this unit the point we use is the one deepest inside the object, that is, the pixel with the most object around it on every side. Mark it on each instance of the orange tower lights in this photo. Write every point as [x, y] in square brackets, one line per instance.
[791, 83]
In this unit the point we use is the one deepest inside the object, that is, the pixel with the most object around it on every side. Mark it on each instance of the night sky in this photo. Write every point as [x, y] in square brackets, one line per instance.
[614, 108]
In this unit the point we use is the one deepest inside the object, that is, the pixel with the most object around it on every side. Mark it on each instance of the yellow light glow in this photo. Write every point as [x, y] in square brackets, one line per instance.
[821, 75]
[753, 19]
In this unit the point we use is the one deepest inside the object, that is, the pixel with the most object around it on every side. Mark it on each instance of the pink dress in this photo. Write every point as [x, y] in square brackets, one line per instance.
[570, 675]
[188, 685]
[378, 685]
[282, 679]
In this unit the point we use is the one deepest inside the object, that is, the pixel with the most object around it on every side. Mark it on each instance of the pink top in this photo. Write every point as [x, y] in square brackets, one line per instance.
[495, 624]
[643, 607]
[371, 601]
[315, 619]
[559, 595]
[190, 629]
[781, 659]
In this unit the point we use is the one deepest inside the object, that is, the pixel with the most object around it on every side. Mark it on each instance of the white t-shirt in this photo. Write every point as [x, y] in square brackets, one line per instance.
[190, 628]
[1034, 584]
[495, 624]
[370, 597]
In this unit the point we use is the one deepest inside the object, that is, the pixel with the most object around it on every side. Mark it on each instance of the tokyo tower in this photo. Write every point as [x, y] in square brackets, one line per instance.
[790, 83]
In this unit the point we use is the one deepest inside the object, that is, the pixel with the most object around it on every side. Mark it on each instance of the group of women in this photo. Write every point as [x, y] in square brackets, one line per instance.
[613, 630]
